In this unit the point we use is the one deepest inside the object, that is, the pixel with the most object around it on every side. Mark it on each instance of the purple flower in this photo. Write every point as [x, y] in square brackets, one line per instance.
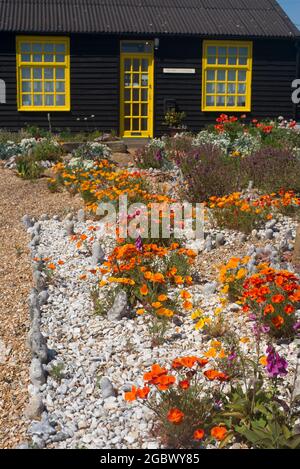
[139, 244]
[232, 357]
[296, 326]
[158, 155]
[276, 365]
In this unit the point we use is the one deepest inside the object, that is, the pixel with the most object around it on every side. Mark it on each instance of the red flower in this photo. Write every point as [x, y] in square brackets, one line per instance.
[175, 416]
[185, 384]
[218, 433]
[199, 434]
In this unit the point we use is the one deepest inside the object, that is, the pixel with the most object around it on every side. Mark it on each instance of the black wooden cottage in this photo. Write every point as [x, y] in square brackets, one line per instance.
[121, 64]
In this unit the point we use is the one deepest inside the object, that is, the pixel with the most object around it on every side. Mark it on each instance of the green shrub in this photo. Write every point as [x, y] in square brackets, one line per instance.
[28, 167]
[47, 150]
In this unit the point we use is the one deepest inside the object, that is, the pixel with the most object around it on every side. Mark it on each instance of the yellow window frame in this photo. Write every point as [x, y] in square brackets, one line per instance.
[247, 68]
[66, 65]
[140, 55]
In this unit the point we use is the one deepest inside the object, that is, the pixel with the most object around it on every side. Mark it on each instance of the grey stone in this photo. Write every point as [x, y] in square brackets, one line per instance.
[44, 217]
[254, 233]
[27, 221]
[35, 316]
[41, 429]
[220, 239]
[289, 235]
[37, 227]
[23, 445]
[35, 407]
[33, 300]
[244, 238]
[81, 215]
[60, 436]
[56, 217]
[208, 244]
[69, 228]
[43, 297]
[69, 217]
[38, 345]
[120, 307]
[269, 234]
[270, 224]
[36, 373]
[38, 281]
[98, 255]
[210, 288]
[107, 388]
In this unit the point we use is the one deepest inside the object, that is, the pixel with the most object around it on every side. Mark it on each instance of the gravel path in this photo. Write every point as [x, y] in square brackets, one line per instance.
[18, 197]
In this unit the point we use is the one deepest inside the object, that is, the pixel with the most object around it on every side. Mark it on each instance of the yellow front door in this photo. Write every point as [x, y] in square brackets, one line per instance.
[136, 89]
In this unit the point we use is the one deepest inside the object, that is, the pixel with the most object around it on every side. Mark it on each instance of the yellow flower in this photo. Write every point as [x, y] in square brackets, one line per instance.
[225, 289]
[244, 340]
[218, 311]
[241, 274]
[211, 353]
[263, 361]
[140, 311]
[197, 314]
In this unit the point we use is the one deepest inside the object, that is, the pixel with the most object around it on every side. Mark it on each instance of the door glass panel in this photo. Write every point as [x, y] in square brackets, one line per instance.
[127, 109]
[127, 95]
[144, 95]
[127, 124]
[144, 109]
[136, 80]
[135, 124]
[135, 46]
[135, 109]
[127, 65]
[144, 124]
[135, 95]
[136, 65]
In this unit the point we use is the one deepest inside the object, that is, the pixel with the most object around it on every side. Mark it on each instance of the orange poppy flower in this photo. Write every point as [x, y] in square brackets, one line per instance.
[131, 395]
[289, 309]
[51, 266]
[144, 290]
[156, 304]
[178, 280]
[198, 434]
[60, 262]
[142, 393]
[175, 416]
[277, 299]
[185, 384]
[218, 433]
[185, 295]
[269, 309]
[278, 321]
[162, 298]
[188, 305]
[211, 375]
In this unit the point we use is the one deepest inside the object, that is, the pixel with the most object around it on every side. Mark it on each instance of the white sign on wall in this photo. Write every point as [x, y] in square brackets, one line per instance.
[180, 70]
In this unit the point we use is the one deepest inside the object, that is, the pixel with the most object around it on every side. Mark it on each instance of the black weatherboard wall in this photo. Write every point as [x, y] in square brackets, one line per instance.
[94, 85]
[95, 82]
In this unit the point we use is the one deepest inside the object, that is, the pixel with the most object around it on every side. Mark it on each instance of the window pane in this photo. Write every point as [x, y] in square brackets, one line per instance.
[37, 86]
[26, 72]
[37, 72]
[144, 65]
[232, 60]
[210, 88]
[60, 86]
[232, 75]
[37, 58]
[232, 51]
[25, 57]
[25, 47]
[36, 47]
[210, 101]
[136, 94]
[26, 100]
[145, 80]
[136, 65]
[136, 80]
[38, 100]
[241, 101]
[127, 95]
[210, 75]
[243, 51]
[211, 60]
[26, 86]
[230, 101]
[144, 124]
[142, 46]
[211, 50]
[48, 73]
[49, 86]
[144, 110]
[49, 100]
[60, 58]
[231, 88]
[144, 95]
[222, 60]
[242, 89]
[242, 75]
[220, 100]
[222, 51]
[135, 109]
[243, 60]
[60, 100]
[221, 88]
[60, 73]
[49, 47]
[221, 76]
[135, 124]
[48, 58]
[127, 65]
[60, 48]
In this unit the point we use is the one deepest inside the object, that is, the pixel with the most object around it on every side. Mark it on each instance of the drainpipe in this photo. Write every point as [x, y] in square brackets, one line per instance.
[297, 45]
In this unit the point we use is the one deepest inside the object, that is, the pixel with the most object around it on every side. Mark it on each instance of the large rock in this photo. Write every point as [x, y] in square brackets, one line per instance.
[35, 407]
[27, 221]
[120, 308]
[36, 373]
[98, 255]
[38, 345]
[107, 388]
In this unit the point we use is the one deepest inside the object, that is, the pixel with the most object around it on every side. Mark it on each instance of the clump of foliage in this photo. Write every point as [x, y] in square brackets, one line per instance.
[152, 155]
[92, 151]
[28, 167]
